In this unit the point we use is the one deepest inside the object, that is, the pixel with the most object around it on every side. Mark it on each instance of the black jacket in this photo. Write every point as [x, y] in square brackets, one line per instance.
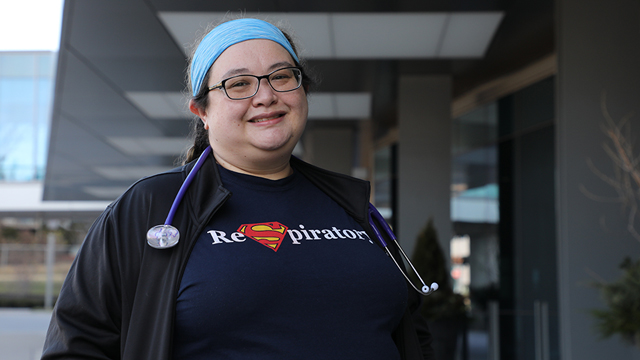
[118, 300]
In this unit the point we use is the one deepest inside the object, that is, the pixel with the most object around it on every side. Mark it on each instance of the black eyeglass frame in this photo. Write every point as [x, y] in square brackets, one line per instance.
[221, 84]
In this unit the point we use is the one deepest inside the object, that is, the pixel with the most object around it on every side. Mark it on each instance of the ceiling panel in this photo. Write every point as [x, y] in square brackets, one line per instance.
[91, 99]
[161, 105]
[388, 36]
[90, 149]
[104, 192]
[328, 5]
[339, 106]
[457, 42]
[129, 172]
[361, 35]
[135, 146]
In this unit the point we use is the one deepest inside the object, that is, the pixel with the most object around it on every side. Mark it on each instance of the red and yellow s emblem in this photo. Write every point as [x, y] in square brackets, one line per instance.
[268, 234]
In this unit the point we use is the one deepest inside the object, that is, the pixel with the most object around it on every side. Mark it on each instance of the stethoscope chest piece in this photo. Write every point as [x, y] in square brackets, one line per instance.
[163, 236]
[166, 236]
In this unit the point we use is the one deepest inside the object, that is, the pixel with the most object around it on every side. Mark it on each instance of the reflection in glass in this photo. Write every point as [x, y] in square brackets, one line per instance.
[475, 215]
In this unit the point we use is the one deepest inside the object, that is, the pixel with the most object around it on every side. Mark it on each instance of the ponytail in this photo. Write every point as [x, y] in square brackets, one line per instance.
[200, 141]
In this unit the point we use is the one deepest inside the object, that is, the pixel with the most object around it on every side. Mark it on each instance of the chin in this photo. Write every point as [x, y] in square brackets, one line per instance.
[279, 148]
[277, 145]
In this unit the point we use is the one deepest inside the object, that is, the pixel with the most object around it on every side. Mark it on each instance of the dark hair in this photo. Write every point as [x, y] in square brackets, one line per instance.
[198, 133]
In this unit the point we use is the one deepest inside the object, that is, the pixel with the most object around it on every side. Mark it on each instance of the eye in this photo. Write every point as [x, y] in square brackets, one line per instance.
[238, 82]
[281, 77]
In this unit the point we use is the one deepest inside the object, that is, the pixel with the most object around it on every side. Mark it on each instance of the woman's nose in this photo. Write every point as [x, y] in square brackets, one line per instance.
[265, 95]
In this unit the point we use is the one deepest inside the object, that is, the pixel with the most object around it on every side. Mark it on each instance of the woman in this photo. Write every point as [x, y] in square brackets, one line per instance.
[275, 258]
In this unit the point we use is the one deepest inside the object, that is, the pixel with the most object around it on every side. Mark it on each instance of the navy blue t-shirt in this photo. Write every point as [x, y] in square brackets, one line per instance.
[283, 272]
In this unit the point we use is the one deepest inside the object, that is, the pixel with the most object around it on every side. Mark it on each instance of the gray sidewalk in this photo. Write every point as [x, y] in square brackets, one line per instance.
[22, 333]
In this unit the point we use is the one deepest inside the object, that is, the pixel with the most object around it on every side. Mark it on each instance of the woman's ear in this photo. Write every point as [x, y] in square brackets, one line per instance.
[199, 112]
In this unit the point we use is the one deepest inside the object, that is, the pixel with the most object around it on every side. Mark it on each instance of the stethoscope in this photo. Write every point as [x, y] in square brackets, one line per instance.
[166, 235]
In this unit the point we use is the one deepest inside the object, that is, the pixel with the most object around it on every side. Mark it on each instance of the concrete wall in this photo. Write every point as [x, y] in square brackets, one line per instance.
[598, 46]
[424, 158]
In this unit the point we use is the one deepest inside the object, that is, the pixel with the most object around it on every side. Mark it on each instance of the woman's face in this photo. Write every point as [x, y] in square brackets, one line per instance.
[263, 128]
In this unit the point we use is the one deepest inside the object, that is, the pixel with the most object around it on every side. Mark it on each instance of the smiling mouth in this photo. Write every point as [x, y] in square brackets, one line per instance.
[265, 119]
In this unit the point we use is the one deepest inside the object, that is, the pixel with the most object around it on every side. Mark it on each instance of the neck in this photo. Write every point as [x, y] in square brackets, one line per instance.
[275, 171]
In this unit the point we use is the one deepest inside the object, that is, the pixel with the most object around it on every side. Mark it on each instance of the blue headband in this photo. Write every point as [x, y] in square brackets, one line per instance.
[227, 34]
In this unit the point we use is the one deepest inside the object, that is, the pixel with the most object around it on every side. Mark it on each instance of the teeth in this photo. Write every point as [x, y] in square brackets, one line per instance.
[265, 119]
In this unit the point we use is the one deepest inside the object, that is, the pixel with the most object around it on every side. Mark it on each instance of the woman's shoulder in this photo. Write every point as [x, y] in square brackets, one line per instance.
[145, 203]
[153, 188]
[160, 181]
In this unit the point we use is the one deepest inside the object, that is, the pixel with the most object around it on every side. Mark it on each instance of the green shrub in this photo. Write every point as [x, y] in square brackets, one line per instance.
[430, 261]
[622, 315]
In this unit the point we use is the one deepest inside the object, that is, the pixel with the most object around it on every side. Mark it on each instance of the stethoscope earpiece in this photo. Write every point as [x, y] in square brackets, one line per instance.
[426, 290]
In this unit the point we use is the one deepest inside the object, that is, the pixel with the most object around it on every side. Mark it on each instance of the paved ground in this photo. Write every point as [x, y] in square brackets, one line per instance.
[477, 345]
[22, 333]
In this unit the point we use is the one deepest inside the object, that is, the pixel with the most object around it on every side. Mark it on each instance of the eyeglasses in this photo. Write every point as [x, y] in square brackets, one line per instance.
[245, 86]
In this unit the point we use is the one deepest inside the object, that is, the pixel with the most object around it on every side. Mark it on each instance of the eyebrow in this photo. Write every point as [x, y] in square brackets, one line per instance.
[245, 71]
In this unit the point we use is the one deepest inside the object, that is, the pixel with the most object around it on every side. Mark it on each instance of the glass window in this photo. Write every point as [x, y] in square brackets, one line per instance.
[502, 208]
[26, 96]
[47, 66]
[17, 65]
[475, 215]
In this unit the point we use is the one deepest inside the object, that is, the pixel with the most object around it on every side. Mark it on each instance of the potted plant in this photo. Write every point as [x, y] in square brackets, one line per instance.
[622, 297]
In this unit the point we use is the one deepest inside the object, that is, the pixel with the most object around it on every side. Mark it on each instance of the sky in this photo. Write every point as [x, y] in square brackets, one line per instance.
[30, 24]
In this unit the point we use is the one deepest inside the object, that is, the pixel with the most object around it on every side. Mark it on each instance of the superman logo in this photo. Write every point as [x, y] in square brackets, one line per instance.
[268, 234]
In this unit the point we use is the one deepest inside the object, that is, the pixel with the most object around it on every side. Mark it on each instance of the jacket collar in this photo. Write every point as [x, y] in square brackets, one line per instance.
[208, 191]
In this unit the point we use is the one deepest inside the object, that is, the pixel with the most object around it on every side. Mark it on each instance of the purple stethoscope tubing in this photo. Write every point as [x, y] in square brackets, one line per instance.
[185, 185]
[166, 236]
[375, 214]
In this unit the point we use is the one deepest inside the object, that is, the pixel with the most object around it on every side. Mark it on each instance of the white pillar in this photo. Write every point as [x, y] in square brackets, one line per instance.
[330, 147]
[424, 158]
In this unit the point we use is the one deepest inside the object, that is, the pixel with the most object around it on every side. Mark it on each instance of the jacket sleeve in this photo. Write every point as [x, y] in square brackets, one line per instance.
[86, 318]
